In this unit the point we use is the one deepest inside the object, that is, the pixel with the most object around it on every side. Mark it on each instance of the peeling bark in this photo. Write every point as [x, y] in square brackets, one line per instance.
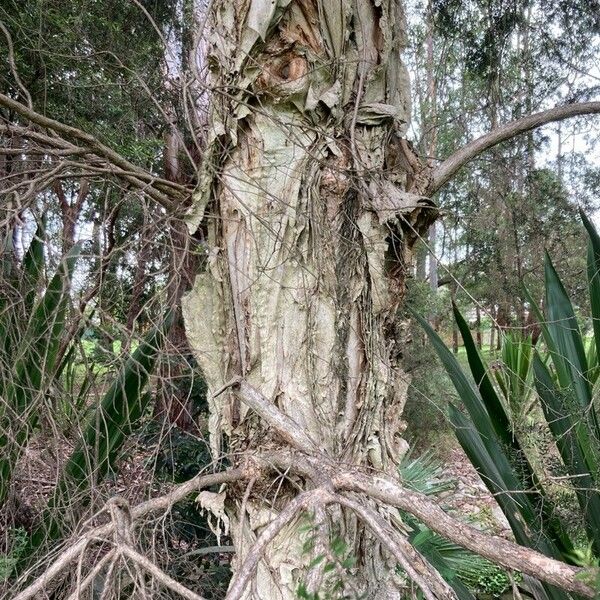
[312, 201]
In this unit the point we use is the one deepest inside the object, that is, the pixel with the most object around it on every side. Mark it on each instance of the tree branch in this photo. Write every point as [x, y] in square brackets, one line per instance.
[300, 502]
[417, 568]
[283, 425]
[158, 573]
[165, 192]
[496, 549]
[448, 168]
[154, 505]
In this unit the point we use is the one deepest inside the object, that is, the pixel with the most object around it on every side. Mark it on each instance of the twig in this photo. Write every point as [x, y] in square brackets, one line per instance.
[168, 194]
[89, 578]
[246, 570]
[166, 580]
[156, 504]
[243, 516]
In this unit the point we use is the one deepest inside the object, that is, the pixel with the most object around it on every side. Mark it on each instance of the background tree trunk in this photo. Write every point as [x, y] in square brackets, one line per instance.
[309, 246]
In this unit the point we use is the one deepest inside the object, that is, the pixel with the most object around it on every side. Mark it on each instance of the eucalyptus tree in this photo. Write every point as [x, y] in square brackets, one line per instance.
[499, 61]
[309, 200]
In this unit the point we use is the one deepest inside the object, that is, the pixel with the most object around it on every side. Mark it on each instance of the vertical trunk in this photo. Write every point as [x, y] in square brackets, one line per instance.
[421, 260]
[173, 398]
[493, 330]
[139, 281]
[478, 326]
[433, 263]
[431, 142]
[70, 211]
[310, 231]
[559, 156]
[454, 327]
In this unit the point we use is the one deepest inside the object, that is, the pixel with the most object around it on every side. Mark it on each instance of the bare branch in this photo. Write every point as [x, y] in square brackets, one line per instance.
[83, 584]
[167, 193]
[285, 427]
[445, 171]
[158, 573]
[416, 567]
[245, 572]
[154, 505]
[497, 549]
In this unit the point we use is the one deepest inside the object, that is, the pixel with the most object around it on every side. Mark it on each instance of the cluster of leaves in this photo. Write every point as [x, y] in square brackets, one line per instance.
[565, 393]
[467, 573]
[32, 320]
[338, 563]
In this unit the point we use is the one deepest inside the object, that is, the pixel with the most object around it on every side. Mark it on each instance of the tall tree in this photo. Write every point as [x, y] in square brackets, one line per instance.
[310, 200]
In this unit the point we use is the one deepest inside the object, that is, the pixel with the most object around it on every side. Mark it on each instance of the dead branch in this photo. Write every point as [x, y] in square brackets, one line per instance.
[447, 169]
[246, 570]
[285, 427]
[89, 578]
[148, 565]
[386, 489]
[416, 567]
[154, 505]
[167, 193]
[501, 551]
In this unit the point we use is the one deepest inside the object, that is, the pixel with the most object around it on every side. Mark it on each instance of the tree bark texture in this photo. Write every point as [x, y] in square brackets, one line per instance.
[311, 204]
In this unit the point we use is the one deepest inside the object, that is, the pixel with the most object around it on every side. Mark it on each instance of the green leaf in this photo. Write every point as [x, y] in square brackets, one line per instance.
[494, 458]
[338, 546]
[564, 427]
[33, 267]
[108, 427]
[565, 333]
[522, 521]
[593, 269]
[33, 369]
[494, 407]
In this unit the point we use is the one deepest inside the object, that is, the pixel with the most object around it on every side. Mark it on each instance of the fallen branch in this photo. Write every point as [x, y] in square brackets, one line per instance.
[285, 427]
[494, 548]
[417, 568]
[167, 193]
[245, 572]
[158, 573]
[89, 578]
[384, 488]
[156, 504]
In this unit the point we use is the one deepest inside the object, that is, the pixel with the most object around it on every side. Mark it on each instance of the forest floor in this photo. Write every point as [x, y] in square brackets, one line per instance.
[470, 500]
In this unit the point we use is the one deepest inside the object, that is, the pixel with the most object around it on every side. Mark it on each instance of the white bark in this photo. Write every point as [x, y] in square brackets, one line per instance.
[311, 202]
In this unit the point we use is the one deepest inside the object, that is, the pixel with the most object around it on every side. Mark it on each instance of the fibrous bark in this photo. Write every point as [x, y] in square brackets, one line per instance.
[311, 202]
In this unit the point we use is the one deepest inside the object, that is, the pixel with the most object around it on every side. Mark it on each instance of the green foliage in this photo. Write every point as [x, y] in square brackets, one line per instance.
[179, 455]
[425, 414]
[107, 428]
[466, 572]
[424, 474]
[567, 398]
[515, 375]
[492, 581]
[495, 452]
[18, 539]
[32, 320]
[338, 564]
[565, 394]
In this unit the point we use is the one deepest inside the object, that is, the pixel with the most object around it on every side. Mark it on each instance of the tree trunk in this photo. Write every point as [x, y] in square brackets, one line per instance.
[478, 326]
[310, 228]
[493, 313]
